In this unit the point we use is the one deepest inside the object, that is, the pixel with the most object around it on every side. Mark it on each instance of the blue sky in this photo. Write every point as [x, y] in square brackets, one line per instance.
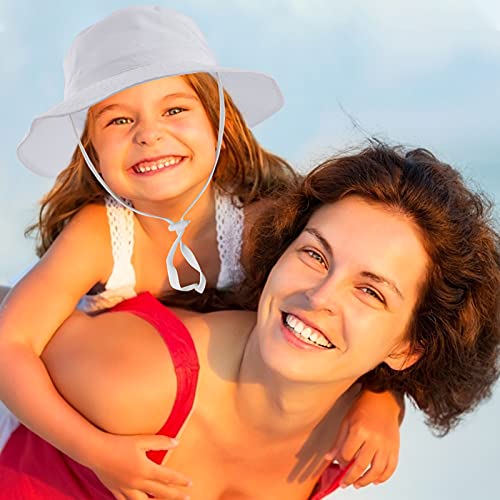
[423, 73]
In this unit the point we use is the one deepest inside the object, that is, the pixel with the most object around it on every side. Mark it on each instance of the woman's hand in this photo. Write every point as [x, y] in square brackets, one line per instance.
[369, 437]
[122, 466]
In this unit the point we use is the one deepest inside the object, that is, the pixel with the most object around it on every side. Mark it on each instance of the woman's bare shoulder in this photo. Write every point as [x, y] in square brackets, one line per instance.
[220, 337]
[227, 325]
[126, 358]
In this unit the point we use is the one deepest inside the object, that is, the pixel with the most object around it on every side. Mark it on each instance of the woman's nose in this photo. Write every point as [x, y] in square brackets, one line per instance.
[325, 296]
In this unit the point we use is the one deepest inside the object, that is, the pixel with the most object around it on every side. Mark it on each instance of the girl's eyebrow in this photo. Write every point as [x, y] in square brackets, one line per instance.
[110, 107]
[367, 274]
[185, 95]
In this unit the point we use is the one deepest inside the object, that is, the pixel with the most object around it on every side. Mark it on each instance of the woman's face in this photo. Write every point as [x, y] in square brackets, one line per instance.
[339, 300]
[154, 141]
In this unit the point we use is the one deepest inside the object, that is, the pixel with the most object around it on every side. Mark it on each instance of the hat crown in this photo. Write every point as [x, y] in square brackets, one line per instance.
[131, 38]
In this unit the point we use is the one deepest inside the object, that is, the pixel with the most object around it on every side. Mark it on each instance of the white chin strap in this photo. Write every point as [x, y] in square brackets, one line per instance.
[180, 226]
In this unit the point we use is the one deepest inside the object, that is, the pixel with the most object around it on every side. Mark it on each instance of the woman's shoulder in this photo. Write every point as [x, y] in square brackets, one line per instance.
[220, 337]
[226, 325]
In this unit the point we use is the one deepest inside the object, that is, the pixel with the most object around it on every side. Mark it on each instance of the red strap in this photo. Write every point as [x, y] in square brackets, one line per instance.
[184, 357]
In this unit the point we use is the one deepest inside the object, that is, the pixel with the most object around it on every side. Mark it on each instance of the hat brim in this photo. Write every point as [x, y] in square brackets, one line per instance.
[51, 141]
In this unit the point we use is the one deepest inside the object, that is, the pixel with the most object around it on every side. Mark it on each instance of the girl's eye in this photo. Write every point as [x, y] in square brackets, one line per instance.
[316, 256]
[120, 121]
[372, 293]
[174, 111]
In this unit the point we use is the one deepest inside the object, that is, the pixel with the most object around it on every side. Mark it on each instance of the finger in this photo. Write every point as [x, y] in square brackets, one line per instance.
[134, 495]
[392, 464]
[166, 476]
[359, 465]
[158, 443]
[351, 447]
[378, 465]
[341, 437]
[160, 491]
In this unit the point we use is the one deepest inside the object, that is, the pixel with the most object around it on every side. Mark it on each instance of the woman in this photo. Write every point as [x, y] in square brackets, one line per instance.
[381, 271]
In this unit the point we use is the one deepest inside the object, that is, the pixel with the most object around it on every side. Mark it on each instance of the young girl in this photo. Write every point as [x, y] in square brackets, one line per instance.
[151, 135]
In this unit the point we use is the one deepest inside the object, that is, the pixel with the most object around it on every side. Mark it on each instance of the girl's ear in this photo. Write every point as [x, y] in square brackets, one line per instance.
[403, 356]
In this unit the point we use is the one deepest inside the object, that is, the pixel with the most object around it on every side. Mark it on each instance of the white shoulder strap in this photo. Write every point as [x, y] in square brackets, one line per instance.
[121, 228]
[229, 220]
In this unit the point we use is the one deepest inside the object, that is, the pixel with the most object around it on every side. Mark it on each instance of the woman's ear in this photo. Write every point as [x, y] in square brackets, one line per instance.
[403, 356]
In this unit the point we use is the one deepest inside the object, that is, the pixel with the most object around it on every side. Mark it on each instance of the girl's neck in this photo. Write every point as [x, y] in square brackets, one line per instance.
[201, 215]
[279, 407]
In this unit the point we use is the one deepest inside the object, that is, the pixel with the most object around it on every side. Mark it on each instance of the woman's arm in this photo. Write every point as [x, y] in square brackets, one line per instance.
[115, 370]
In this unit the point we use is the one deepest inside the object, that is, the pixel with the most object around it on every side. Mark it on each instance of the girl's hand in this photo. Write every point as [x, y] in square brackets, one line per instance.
[123, 467]
[369, 437]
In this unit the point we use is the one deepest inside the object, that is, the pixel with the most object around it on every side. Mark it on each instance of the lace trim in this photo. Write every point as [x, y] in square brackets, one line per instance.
[121, 228]
[121, 283]
[229, 220]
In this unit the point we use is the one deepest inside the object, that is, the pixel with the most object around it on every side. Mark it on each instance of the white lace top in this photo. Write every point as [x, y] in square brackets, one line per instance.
[229, 220]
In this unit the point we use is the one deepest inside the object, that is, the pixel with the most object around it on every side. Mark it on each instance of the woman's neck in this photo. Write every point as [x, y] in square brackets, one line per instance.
[281, 408]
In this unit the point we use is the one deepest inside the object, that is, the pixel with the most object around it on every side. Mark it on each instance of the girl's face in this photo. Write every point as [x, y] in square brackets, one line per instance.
[154, 141]
[339, 300]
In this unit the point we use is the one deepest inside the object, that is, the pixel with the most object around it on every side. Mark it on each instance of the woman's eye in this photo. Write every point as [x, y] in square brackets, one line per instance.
[174, 111]
[372, 293]
[120, 121]
[316, 256]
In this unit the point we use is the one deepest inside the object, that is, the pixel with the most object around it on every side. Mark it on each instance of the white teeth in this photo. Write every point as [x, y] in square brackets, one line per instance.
[305, 332]
[152, 167]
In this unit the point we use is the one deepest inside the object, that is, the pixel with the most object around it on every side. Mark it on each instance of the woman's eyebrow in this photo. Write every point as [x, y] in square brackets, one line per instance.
[324, 243]
[383, 281]
[367, 274]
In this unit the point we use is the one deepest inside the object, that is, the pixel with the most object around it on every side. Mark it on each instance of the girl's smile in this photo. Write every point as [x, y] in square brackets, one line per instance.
[158, 127]
[150, 166]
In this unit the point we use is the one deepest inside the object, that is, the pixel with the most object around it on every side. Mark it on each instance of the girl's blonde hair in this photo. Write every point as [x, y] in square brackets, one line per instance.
[245, 170]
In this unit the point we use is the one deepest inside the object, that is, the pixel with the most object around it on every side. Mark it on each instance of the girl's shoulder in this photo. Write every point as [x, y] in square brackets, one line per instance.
[85, 238]
[91, 216]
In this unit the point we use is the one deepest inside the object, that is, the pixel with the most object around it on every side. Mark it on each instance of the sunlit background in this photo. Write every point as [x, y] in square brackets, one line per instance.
[422, 73]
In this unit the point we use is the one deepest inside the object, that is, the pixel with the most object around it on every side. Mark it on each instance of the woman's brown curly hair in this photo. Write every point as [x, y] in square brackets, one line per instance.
[455, 324]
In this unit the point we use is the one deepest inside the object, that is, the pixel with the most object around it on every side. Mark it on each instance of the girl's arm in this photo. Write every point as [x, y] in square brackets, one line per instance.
[31, 314]
[369, 437]
[79, 258]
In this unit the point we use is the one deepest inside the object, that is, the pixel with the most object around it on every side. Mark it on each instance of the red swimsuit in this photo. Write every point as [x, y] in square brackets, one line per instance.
[31, 468]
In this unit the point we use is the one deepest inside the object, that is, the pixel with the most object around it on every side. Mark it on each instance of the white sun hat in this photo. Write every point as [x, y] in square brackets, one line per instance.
[132, 46]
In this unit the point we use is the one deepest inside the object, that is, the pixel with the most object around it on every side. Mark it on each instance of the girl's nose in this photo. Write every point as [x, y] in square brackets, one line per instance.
[148, 134]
